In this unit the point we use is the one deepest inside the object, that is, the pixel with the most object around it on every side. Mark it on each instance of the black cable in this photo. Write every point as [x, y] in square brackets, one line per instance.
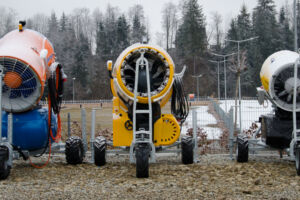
[179, 102]
[56, 94]
[55, 97]
[46, 146]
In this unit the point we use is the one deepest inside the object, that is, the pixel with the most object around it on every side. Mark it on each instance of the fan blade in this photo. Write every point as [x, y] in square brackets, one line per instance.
[129, 69]
[283, 93]
[14, 94]
[155, 66]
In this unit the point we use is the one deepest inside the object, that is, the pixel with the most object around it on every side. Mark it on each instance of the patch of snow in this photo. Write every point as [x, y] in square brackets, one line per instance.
[204, 120]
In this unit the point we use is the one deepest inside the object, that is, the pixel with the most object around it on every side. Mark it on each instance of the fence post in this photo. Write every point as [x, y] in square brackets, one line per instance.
[194, 115]
[93, 134]
[10, 128]
[231, 130]
[69, 125]
[83, 129]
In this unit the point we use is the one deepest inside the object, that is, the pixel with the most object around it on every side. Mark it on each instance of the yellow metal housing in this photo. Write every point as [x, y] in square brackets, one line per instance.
[166, 129]
[119, 85]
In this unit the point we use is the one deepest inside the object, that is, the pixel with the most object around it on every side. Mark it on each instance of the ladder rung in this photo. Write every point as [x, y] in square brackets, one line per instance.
[143, 132]
[298, 131]
[142, 111]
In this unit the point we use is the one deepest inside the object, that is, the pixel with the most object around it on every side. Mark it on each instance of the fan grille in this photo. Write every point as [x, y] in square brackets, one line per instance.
[283, 85]
[21, 87]
[158, 67]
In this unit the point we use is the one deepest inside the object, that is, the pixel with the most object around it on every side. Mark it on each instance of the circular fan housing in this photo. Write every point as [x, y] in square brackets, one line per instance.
[24, 70]
[161, 71]
[277, 77]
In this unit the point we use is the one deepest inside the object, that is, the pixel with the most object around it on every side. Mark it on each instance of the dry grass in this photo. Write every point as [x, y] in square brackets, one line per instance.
[103, 116]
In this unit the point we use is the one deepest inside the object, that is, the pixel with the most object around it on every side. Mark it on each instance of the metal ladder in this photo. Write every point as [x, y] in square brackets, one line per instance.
[296, 131]
[144, 136]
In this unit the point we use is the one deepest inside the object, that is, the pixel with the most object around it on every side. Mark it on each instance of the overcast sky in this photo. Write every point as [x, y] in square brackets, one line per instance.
[152, 8]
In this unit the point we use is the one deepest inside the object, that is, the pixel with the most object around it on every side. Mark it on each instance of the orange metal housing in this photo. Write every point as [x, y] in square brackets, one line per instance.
[26, 46]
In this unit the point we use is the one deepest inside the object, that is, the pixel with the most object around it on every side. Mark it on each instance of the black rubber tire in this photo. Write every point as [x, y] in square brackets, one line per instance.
[74, 150]
[100, 151]
[187, 150]
[242, 150]
[4, 168]
[142, 153]
[297, 159]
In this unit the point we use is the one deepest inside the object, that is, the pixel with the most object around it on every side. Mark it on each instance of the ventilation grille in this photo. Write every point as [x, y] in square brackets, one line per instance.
[283, 88]
[20, 86]
[158, 70]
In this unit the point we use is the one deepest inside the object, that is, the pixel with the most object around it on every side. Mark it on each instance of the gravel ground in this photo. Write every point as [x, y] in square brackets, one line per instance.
[215, 177]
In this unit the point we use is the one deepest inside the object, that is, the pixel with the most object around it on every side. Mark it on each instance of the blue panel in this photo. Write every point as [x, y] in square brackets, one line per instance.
[30, 129]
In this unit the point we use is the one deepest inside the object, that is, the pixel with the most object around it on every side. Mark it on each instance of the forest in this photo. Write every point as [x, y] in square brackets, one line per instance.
[85, 39]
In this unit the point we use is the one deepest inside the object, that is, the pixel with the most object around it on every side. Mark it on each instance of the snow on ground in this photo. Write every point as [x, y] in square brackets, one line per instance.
[204, 120]
[251, 111]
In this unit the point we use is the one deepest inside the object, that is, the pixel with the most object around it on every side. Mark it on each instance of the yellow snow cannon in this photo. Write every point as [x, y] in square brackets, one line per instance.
[142, 81]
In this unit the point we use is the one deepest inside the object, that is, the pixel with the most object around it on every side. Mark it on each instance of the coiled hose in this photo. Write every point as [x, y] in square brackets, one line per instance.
[179, 102]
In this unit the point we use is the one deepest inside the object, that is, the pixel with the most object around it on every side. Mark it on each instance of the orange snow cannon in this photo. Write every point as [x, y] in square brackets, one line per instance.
[26, 56]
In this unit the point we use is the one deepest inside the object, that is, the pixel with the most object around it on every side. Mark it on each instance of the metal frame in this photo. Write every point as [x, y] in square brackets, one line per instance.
[296, 132]
[144, 136]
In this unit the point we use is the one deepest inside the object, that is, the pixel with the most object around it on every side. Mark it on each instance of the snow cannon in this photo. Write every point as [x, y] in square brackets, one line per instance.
[277, 78]
[27, 64]
[280, 75]
[143, 80]
[25, 57]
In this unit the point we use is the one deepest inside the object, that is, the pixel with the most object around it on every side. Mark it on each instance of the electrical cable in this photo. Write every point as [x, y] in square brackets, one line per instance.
[55, 86]
[179, 102]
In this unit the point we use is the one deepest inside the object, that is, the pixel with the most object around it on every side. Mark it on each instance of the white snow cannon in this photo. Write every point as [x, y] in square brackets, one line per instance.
[280, 129]
[277, 78]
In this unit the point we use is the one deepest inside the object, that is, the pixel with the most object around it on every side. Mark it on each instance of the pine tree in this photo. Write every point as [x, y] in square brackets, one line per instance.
[191, 42]
[244, 24]
[138, 29]
[191, 37]
[122, 34]
[266, 28]
[285, 33]
[63, 23]
[82, 54]
[53, 28]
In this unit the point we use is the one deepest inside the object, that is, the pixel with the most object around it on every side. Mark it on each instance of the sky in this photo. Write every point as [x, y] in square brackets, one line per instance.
[152, 8]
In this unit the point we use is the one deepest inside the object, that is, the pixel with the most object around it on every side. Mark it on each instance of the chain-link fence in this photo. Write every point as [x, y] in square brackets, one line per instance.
[214, 125]
[216, 121]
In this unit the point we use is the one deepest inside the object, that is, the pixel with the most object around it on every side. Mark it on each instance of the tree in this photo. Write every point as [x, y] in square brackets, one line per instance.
[63, 23]
[169, 23]
[7, 20]
[122, 34]
[39, 22]
[138, 29]
[191, 37]
[266, 28]
[216, 29]
[286, 35]
[238, 69]
[82, 53]
[53, 28]
[191, 42]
